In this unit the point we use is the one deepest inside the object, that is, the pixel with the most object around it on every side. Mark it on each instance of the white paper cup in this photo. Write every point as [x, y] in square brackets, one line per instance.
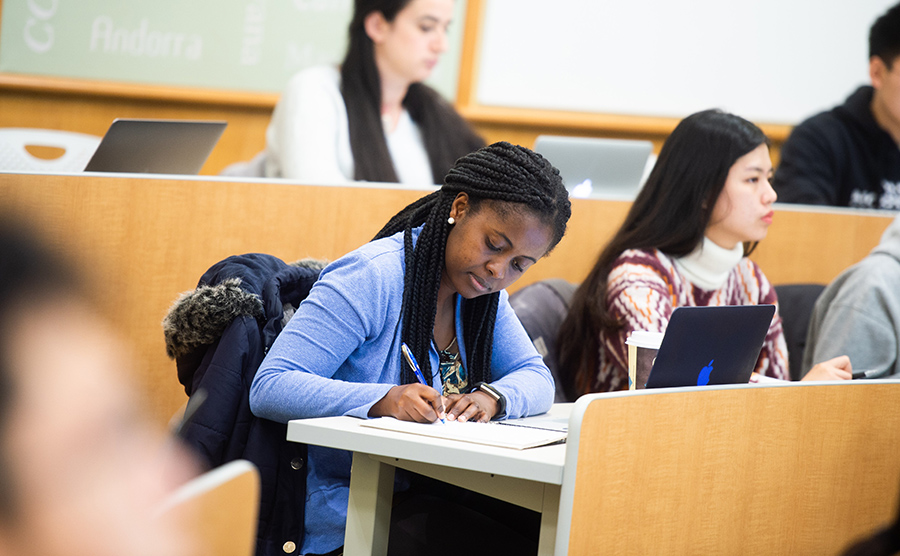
[642, 348]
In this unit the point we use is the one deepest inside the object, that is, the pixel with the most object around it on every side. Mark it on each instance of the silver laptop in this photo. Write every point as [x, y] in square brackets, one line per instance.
[156, 146]
[597, 167]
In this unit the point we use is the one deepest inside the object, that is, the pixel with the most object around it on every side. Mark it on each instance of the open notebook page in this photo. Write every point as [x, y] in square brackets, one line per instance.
[490, 434]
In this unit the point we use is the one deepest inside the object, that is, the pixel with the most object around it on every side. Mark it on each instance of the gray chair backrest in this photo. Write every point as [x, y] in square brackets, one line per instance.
[541, 307]
[795, 305]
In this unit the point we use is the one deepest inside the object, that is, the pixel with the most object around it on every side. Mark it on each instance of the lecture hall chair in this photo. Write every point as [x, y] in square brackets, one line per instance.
[795, 305]
[78, 148]
[221, 508]
[541, 307]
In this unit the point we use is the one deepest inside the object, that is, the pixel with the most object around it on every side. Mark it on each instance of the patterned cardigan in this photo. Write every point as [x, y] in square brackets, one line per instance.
[645, 286]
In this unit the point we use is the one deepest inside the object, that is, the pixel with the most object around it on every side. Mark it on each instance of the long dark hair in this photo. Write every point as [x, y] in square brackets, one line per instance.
[670, 213]
[499, 173]
[445, 134]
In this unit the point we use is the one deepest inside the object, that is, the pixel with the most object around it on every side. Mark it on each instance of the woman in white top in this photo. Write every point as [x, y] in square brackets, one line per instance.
[373, 119]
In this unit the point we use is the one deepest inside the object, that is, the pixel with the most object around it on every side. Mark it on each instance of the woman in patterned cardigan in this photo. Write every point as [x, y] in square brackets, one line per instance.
[685, 242]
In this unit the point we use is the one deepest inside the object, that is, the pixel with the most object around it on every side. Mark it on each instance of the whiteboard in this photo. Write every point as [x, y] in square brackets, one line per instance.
[250, 45]
[771, 61]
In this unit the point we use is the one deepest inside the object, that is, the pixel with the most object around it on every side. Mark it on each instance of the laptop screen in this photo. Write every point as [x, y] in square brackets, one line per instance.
[711, 345]
[156, 146]
[597, 167]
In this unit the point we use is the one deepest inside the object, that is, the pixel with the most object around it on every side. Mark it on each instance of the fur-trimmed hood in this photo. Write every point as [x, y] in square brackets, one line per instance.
[257, 285]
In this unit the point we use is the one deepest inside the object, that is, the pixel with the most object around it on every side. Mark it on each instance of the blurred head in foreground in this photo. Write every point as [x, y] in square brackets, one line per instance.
[81, 469]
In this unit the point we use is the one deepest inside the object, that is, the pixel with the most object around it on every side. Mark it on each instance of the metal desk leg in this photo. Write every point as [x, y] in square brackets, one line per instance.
[369, 508]
[549, 518]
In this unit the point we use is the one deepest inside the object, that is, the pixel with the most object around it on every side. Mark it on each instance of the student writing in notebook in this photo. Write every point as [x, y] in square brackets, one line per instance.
[685, 241]
[433, 279]
[373, 119]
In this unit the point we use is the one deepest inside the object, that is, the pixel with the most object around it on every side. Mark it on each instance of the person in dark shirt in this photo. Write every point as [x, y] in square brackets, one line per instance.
[850, 155]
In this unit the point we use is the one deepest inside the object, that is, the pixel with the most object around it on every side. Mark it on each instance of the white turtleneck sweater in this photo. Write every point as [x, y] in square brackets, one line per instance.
[709, 265]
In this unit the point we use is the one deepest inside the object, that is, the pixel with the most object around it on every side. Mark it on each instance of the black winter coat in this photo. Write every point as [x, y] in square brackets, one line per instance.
[218, 335]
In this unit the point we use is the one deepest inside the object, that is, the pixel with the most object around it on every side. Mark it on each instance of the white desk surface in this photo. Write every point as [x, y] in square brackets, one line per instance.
[543, 464]
[530, 478]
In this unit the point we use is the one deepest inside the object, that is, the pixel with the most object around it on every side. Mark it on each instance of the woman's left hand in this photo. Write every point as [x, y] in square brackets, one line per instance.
[474, 406]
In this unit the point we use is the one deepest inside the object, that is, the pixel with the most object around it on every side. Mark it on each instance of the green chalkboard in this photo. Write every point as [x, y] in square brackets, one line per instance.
[249, 45]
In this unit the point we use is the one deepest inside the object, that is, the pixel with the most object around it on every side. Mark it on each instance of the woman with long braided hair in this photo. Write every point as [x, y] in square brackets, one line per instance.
[434, 279]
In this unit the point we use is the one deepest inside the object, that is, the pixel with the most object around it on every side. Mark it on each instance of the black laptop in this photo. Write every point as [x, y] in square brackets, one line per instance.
[711, 345]
[156, 146]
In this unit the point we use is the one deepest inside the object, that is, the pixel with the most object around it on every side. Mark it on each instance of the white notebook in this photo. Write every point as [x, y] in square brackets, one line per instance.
[490, 434]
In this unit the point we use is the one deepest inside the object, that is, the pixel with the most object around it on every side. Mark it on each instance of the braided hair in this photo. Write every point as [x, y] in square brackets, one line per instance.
[501, 173]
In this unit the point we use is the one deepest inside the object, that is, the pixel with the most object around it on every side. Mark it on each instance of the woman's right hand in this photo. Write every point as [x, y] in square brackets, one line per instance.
[838, 368]
[410, 402]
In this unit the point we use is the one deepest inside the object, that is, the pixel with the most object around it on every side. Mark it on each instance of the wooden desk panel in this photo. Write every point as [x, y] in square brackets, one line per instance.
[144, 241]
[148, 239]
[815, 246]
[799, 469]
[802, 245]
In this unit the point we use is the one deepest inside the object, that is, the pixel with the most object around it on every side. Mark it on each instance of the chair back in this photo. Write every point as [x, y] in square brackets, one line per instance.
[220, 509]
[793, 468]
[541, 308]
[795, 305]
[14, 156]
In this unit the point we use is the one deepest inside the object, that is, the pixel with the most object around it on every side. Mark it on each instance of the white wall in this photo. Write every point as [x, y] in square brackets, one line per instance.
[772, 61]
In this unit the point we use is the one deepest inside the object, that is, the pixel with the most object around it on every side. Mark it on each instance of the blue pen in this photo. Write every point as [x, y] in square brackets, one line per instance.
[410, 358]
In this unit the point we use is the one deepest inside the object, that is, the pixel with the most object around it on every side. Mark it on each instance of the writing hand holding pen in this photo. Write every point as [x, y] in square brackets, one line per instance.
[417, 402]
[414, 365]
